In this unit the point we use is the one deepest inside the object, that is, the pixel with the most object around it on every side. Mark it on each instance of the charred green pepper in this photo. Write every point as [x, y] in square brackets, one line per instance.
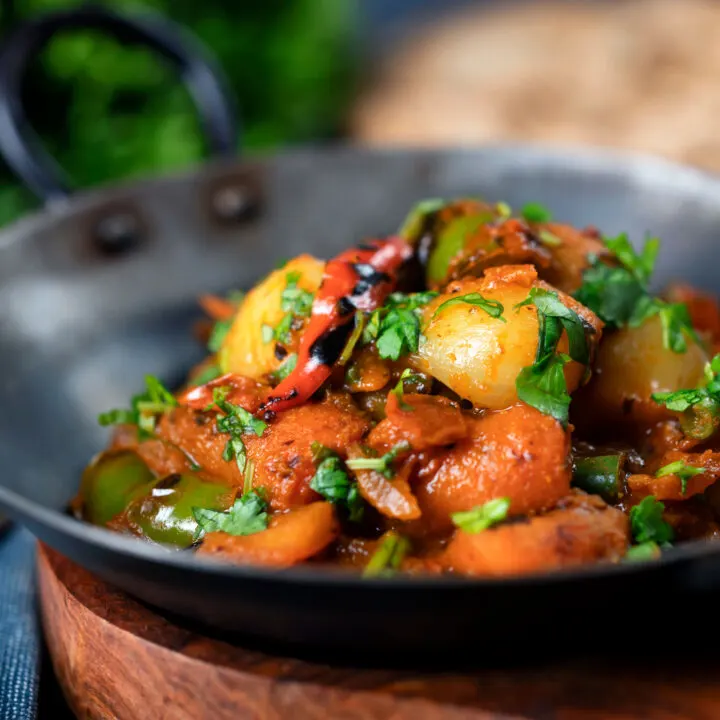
[110, 483]
[600, 475]
[165, 513]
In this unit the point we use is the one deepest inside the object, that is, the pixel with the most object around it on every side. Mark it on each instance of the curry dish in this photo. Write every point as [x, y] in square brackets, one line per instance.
[487, 392]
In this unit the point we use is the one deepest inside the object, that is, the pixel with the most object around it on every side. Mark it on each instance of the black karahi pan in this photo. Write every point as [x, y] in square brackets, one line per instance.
[97, 290]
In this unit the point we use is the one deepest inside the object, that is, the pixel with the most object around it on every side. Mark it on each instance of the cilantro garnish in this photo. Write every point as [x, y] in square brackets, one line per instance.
[285, 368]
[247, 516]
[647, 524]
[144, 408]
[619, 296]
[682, 470]
[492, 307]
[700, 407]
[382, 464]
[333, 483]
[395, 327]
[236, 422]
[399, 389]
[536, 213]
[542, 384]
[208, 373]
[387, 558]
[483, 516]
[649, 550]
[295, 303]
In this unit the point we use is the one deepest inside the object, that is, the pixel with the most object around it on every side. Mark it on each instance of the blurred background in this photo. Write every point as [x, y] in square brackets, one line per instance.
[642, 75]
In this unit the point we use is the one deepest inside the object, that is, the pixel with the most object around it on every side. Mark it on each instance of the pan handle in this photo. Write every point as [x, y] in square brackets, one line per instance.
[21, 147]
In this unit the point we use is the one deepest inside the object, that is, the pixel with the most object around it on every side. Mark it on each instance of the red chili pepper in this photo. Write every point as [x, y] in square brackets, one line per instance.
[357, 279]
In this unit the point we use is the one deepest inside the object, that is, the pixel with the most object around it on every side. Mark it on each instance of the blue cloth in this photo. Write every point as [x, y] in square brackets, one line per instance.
[19, 627]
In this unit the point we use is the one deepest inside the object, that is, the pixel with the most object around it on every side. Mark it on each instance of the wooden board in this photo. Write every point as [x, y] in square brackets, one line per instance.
[116, 659]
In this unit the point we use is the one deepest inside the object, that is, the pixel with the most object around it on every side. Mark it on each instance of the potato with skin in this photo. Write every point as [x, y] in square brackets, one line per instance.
[582, 529]
[631, 365]
[478, 356]
[244, 350]
[517, 453]
[290, 538]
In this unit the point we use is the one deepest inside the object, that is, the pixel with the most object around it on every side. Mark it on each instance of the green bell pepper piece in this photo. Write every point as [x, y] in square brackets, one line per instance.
[599, 475]
[164, 515]
[110, 483]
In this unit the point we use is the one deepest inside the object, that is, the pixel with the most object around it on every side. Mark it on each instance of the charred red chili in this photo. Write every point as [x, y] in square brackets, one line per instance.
[357, 279]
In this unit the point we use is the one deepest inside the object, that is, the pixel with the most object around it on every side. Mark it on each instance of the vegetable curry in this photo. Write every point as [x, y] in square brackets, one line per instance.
[487, 392]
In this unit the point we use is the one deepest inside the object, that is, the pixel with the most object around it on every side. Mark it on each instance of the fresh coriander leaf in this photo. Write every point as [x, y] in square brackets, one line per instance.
[268, 333]
[387, 558]
[483, 516]
[679, 400]
[117, 417]
[642, 265]
[646, 522]
[218, 334]
[383, 464]
[676, 326]
[549, 305]
[333, 483]
[355, 336]
[399, 389]
[236, 422]
[286, 368]
[536, 213]
[208, 373]
[145, 408]
[320, 452]
[247, 516]
[543, 386]
[492, 307]
[649, 550]
[680, 469]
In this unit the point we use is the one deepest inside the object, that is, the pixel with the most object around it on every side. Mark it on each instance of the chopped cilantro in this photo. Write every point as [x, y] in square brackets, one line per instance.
[399, 389]
[208, 373]
[680, 469]
[382, 464]
[649, 550]
[236, 422]
[144, 408]
[492, 307]
[247, 516]
[295, 303]
[699, 407]
[395, 327]
[287, 366]
[333, 483]
[483, 516]
[387, 558]
[536, 213]
[542, 385]
[647, 524]
[642, 265]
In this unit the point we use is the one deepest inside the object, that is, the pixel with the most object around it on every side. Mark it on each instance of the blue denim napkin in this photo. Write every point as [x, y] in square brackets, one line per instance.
[19, 627]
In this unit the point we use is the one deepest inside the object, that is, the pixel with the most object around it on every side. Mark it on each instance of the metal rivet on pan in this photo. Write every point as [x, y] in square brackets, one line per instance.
[234, 204]
[118, 233]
